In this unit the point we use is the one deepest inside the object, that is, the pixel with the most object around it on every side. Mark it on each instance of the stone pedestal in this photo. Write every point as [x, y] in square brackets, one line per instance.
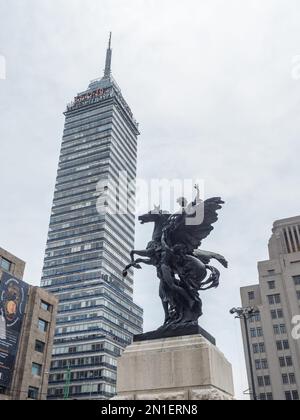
[180, 368]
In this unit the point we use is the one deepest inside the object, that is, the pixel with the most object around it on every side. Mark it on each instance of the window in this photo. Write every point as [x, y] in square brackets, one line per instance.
[42, 325]
[258, 364]
[274, 314]
[279, 313]
[251, 295]
[46, 306]
[298, 294]
[257, 317]
[286, 345]
[253, 332]
[255, 348]
[269, 396]
[5, 264]
[289, 361]
[260, 381]
[279, 345]
[295, 395]
[39, 346]
[262, 348]
[276, 329]
[33, 393]
[264, 364]
[272, 285]
[267, 380]
[288, 396]
[296, 280]
[292, 378]
[282, 329]
[263, 397]
[274, 299]
[282, 362]
[259, 332]
[285, 379]
[36, 369]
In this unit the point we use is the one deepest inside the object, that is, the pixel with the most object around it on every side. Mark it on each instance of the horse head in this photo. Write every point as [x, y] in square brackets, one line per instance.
[153, 216]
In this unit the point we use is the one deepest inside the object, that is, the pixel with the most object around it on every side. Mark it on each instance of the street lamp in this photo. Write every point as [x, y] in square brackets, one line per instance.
[245, 314]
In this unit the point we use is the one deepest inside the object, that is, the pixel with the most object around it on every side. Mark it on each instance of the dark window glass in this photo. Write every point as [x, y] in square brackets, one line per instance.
[270, 396]
[282, 362]
[267, 380]
[272, 285]
[36, 369]
[297, 280]
[5, 264]
[263, 397]
[39, 346]
[286, 344]
[289, 361]
[33, 393]
[260, 381]
[279, 313]
[262, 348]
[288, 396]
[43, 325]
[273, 314]
[46, 306]
[251, 295]
[258, 364]
[295, 395]
[285, 379]
[292, 378]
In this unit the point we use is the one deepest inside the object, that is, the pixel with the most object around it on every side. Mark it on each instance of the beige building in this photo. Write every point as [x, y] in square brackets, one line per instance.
[29, 379]
[275, 353]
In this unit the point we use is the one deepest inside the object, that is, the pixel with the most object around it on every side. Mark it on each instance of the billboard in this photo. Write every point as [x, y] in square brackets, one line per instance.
[13, 299]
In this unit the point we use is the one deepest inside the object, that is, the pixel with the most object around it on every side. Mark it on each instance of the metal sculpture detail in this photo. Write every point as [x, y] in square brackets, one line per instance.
[183, 268]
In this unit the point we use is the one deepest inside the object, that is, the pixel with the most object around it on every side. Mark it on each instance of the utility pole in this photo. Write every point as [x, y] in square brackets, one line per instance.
[245, 314]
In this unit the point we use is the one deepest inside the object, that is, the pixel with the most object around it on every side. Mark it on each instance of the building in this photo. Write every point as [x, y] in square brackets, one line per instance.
[89, 244]
[275, 353]
[11, 264]
[27, 325]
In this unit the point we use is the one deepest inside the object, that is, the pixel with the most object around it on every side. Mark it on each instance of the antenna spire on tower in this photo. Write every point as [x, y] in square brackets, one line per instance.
[107, 72]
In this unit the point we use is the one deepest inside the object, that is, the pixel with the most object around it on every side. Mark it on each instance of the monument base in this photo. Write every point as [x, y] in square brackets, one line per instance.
[175, 331]
[178, 368]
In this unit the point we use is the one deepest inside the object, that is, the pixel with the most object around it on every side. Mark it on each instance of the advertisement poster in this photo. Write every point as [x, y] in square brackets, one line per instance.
[13, 298]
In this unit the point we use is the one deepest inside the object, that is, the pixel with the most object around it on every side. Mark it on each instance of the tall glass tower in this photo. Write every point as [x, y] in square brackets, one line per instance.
[88, 244]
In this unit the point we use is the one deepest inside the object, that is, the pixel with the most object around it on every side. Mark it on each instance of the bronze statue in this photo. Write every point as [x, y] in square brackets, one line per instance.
[182, 267]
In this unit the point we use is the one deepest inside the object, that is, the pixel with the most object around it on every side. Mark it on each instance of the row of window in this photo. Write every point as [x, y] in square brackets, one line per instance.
[84, 362]
[283, 361]
[289, 379]
[281, 345]
[84, 389]
[264, 381]
[84, 375]
[292, 395]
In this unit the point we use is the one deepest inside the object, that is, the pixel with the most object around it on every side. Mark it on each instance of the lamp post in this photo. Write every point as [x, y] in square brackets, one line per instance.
[245, 314]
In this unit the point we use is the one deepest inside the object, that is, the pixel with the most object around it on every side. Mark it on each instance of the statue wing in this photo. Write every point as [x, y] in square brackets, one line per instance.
[191, 234]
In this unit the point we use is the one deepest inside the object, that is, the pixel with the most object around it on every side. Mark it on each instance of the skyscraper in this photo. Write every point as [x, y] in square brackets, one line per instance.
[89, 244]
[275, 351]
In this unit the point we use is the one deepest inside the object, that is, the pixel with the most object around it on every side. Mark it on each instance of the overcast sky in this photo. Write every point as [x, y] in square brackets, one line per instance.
[216, 93]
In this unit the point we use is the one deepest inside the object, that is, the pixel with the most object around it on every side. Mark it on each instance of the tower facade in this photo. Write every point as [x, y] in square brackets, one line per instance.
[275, 349]
[90, 237]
